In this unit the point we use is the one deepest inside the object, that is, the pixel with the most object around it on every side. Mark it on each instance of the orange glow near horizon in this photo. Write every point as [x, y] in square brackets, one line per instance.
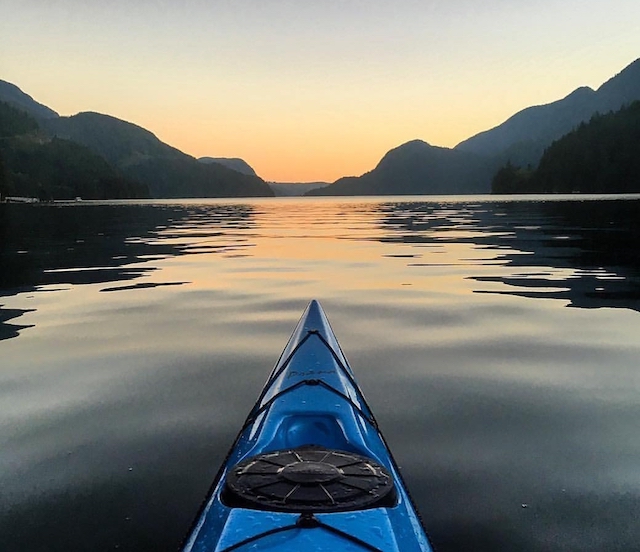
[310, 91]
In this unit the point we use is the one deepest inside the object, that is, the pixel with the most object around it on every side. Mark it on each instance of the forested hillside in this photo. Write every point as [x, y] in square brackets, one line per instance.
[138, 164]
[524, 136]
[419, 168]
[35, 165]
[138, 154]
[601, 156]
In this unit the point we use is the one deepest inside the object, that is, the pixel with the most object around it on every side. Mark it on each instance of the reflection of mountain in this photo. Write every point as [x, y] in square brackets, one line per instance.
[94, 244]
[8, 330]
[584, 252]
[593, 243]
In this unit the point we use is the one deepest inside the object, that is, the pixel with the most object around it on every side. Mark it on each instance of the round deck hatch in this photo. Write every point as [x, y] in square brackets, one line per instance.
[309, 479]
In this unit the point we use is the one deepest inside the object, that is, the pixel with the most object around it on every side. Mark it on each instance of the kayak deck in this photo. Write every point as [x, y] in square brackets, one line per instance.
[309, 469]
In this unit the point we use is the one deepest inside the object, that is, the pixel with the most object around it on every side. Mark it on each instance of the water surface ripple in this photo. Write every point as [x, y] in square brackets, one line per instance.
[134, 338]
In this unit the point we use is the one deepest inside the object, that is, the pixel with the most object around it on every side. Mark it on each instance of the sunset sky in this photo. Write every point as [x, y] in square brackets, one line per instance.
[311, 90]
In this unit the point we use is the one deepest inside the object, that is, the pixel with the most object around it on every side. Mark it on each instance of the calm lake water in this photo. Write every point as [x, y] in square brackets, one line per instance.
[497, 342]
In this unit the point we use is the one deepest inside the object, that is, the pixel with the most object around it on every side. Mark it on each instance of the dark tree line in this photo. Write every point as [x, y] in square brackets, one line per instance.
[601, 156]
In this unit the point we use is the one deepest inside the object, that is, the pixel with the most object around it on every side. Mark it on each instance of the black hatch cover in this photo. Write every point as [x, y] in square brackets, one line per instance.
[309, 479]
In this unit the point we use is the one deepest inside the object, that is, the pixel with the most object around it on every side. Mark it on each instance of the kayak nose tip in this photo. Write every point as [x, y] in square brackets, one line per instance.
[314, 317]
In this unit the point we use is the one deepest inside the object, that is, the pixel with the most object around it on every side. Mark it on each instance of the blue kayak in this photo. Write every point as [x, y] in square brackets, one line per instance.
[309, 470]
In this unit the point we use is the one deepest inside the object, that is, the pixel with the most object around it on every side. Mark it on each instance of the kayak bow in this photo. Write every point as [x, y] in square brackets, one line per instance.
[309, 469]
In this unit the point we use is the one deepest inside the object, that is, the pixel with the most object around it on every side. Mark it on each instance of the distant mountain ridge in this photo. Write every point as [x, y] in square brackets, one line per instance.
[138, 154]
[294, 189]
[419, 168]
[119, 142]
[601, 156]
[523, 137]
[622, 87]
[280, 189]
[411, 168]
[15, 97]
[35, 165]
[538, 123]
[234, 163]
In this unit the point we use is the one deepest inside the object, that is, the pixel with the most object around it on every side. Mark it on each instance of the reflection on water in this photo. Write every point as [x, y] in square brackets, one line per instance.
[44, 248]
[134, 338]
[584, 252]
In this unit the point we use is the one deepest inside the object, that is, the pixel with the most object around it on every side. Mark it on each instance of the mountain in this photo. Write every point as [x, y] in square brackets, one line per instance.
[15, 97]
[534, 125]
[412, 168]
[140, 155]
[233, 163]
[119, 142]
[294, 189]
[137, 154]
[419, 168]
[601, 156]
[624, 88]
[523, 137]
[34, 165]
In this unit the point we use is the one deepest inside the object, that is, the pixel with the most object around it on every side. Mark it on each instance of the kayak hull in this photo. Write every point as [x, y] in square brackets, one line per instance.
[309, 469]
